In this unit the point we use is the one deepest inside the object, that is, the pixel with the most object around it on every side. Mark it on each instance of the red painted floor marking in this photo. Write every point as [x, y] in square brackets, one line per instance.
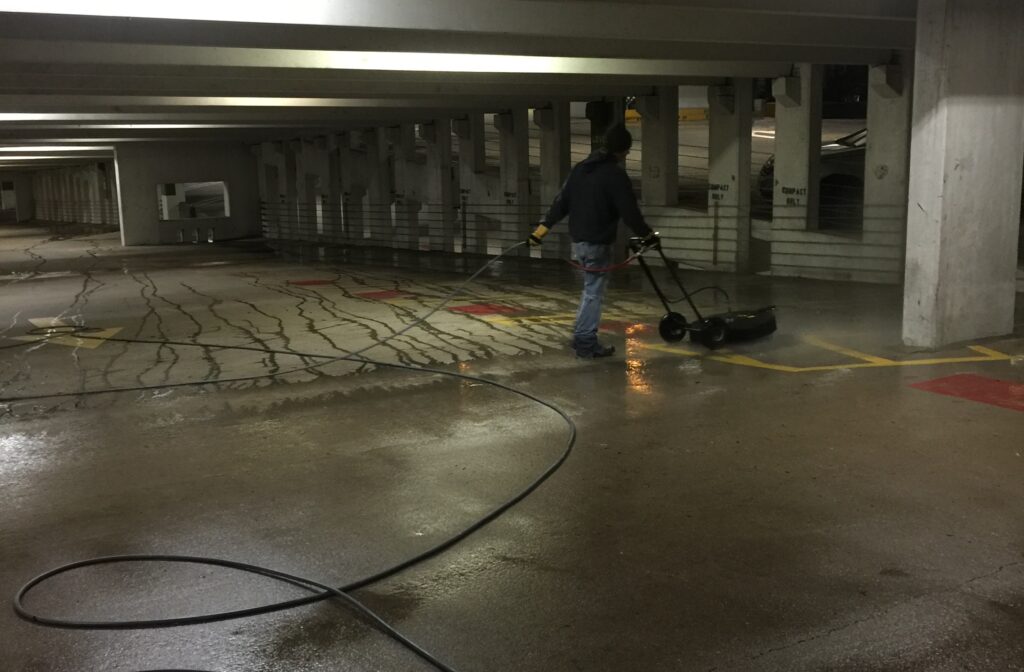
[1001, 393]
[486, 309]
[381, 294]
[308, 283]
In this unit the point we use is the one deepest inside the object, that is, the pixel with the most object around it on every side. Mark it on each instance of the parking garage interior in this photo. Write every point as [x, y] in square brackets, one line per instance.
[266, 306]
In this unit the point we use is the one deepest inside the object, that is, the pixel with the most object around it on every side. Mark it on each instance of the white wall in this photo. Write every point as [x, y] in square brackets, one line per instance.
[143, 166]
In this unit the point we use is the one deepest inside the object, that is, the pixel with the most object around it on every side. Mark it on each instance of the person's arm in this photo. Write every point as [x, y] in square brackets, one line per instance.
[556, 213]
[560, 206]
[625, 202]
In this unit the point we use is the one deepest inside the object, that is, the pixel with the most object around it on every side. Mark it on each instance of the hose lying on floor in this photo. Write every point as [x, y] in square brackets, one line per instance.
[319, 591]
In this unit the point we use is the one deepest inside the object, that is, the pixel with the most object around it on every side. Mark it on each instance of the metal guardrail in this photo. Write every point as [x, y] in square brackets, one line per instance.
[469, 228]
[487, 228]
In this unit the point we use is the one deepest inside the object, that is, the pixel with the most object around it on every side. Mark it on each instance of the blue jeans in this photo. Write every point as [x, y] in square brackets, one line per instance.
[588, 317]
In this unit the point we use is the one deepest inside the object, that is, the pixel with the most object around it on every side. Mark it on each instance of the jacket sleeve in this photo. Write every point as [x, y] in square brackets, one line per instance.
[625, 202]
[560, 206]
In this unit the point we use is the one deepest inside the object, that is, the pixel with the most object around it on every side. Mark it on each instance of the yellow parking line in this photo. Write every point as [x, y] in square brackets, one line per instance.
[987, 355]
[907, 362]
[994, 354]
[868, 361]
[855, 354]
[743, 360]
[675, 350]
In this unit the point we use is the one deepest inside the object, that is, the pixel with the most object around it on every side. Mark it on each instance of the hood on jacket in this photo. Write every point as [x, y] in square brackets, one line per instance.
[594, 160]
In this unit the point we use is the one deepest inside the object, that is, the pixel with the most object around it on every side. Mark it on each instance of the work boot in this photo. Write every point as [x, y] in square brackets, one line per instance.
[595, 351]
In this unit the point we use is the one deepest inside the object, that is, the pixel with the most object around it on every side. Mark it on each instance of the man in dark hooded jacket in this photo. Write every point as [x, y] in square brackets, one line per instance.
[597, 194]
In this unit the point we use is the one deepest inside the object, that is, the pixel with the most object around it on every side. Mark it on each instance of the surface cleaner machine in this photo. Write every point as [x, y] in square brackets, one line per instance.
[712, 331]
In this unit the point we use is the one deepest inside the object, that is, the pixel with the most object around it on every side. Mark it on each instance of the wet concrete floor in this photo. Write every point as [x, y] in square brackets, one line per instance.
[788, 504]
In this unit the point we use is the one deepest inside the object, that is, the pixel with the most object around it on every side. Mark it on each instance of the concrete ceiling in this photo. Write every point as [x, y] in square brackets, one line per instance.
[123, 70]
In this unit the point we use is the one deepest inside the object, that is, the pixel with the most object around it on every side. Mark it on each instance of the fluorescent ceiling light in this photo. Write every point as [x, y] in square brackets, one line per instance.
[36, 157]
[55, 148]
[301, 11]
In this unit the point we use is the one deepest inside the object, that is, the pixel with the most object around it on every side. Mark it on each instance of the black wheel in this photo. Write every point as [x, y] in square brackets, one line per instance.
[672, 327]
[711, 333]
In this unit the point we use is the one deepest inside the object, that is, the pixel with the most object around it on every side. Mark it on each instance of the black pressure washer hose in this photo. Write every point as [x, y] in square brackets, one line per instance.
[319, 590]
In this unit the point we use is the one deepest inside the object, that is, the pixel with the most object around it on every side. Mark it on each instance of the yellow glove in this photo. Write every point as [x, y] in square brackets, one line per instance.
[537, 236]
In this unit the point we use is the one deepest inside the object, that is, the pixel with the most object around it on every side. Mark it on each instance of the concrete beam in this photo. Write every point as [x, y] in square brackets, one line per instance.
[811, 31]
[38, 51]
[25, 91]
[208, 80]
[503, 21]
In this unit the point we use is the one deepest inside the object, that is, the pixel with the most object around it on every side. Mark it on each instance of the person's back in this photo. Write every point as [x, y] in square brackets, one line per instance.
[596, 196]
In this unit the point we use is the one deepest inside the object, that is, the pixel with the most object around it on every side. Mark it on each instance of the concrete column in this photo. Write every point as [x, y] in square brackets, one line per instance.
[63, 199]
[439, 201]
[51, 197]
[272, 190]
[70, 197]
[797, 148]
[887, 159]
[407, 204]
[353, 191]
[380, 184]
[25, 206]
[555, 157]
[79, 195]
[76, 182]
[555, 164]
[333, 203]
[290, 214]
[41, 195]
[8, 198]
[322, 167]
[59, 198]
[660, 157]
[92, 186]
[108, 191]
[603, 114]
[312, 172]
[731, 116]
[472, 164]
[57, 192]
[966, 158]
[81, 181]
[514, 147]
